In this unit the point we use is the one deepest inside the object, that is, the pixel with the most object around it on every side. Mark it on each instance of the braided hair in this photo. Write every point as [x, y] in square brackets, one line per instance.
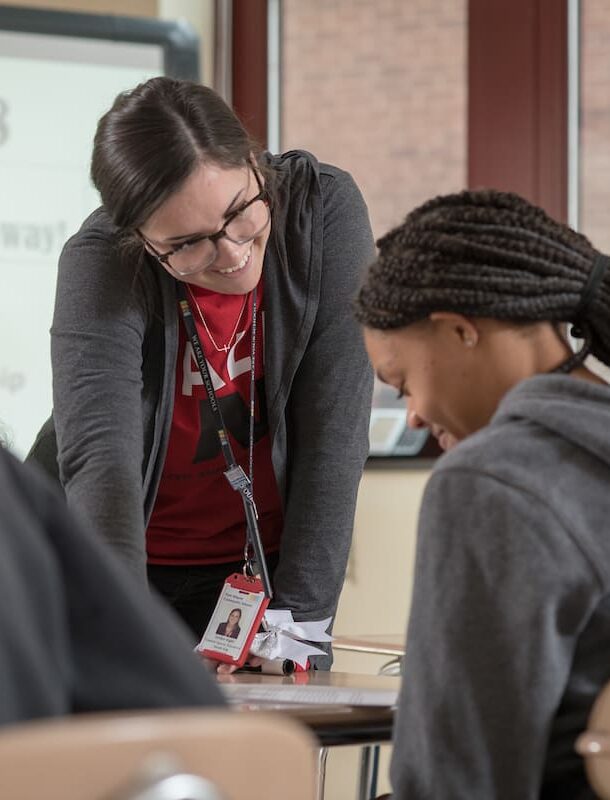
[489, 254]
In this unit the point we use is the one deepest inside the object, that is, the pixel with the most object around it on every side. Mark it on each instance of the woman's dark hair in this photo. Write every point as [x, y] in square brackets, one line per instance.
[152, 139]
[489, 254]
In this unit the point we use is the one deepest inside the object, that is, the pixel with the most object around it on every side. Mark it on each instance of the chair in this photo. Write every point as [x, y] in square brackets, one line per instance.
[159, 756]
[594, 745]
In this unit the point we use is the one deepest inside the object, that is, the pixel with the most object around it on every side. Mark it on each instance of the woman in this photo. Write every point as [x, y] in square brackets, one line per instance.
[509, 633]
[231, 626]
[193, 211]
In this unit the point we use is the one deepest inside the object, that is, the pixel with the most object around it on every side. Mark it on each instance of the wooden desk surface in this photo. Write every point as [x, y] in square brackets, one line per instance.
[332, 724]
[385, 644]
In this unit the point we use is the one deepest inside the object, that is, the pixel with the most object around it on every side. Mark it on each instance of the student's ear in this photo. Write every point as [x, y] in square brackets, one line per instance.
[464, 328]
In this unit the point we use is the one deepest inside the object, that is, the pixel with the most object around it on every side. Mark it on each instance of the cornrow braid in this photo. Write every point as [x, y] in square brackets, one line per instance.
[488, 254]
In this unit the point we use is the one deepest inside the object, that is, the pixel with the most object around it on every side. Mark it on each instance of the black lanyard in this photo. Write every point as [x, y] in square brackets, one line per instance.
[234, 473]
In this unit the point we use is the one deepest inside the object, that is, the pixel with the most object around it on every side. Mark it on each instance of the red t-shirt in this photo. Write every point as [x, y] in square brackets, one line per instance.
[198, 518]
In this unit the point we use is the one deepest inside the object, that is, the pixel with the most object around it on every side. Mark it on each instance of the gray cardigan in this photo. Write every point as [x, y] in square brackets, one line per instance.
[114, 343]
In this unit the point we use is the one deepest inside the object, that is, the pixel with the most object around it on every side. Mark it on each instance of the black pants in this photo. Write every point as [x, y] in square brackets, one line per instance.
[192, 591]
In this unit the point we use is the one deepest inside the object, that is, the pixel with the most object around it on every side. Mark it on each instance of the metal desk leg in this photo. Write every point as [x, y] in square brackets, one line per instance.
[322, 756]
[374, 772]
[369, 764]
[364, 783]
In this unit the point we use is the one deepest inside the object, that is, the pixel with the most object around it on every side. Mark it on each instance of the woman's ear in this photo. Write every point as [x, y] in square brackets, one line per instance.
[464, 328]
[144, 241]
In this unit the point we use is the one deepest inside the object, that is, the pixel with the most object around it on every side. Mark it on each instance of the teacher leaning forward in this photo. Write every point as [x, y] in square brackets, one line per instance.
[193, 210]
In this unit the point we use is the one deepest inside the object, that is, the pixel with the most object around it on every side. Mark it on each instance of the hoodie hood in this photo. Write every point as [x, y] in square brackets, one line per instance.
[574, 409]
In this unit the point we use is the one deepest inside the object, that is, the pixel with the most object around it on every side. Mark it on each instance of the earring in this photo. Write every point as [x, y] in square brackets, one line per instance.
[469, 342]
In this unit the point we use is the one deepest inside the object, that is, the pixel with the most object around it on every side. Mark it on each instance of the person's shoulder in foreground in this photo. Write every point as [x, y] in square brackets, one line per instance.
[75, 634]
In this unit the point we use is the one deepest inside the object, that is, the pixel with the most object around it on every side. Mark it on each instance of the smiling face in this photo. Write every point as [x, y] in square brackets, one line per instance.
[202, 206]
[234, 617]
[454, 371]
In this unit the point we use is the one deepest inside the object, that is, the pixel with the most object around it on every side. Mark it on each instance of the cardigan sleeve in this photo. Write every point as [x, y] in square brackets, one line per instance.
[97, 340]
[328, 411]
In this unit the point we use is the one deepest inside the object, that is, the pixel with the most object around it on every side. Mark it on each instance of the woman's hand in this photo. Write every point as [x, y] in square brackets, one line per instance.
[227, 669]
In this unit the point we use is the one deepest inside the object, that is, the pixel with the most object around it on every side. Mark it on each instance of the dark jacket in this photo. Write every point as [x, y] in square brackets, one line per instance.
[75, 634]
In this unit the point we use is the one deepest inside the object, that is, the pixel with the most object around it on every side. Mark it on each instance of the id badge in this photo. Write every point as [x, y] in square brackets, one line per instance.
[235, 621]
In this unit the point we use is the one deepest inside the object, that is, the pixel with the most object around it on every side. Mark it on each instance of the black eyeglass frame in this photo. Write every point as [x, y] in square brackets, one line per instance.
[163, 258]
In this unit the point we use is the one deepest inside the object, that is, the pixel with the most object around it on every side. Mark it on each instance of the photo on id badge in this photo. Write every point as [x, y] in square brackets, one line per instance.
[234, 622]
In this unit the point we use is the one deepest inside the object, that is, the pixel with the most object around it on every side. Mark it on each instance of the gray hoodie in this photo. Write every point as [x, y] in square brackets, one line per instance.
[509, 635]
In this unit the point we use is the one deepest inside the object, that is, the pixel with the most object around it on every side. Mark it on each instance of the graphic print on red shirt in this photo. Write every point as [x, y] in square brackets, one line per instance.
[198, 518]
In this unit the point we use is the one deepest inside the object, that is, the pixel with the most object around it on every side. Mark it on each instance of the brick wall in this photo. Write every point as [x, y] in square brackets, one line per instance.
[595, 122]
[379, 89]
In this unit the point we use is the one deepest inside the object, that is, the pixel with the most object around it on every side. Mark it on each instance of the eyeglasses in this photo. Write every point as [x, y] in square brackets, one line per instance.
[241, 226]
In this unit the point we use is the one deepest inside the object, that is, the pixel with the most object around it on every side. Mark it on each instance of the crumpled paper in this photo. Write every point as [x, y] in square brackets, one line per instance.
[283, 637]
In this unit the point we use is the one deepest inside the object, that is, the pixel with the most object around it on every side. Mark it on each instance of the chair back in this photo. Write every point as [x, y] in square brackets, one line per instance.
[594, 745]
[159, 755]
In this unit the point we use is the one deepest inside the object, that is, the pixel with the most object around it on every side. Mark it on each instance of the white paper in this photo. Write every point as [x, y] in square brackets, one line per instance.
[312, 630]
[318, 695]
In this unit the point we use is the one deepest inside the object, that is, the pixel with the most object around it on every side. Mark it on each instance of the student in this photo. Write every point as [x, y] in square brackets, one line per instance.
[190, 204]
[509, 635]
[75, 634]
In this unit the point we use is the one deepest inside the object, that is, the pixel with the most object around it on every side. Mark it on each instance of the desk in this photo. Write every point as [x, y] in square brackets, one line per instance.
[332, 724]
